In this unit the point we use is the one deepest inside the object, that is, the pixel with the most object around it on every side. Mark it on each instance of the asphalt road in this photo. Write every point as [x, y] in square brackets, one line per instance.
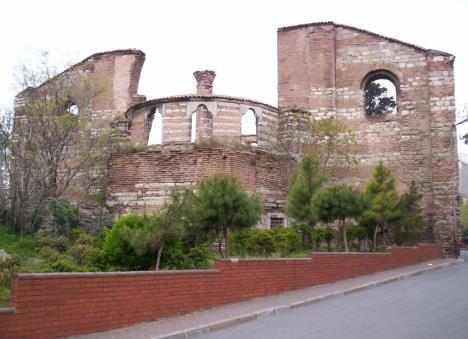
[432, 305]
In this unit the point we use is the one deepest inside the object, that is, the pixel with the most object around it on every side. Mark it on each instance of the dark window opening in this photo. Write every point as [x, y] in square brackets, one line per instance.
[276, 222]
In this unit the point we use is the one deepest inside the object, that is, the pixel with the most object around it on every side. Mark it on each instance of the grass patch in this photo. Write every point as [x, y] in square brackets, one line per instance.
[24, 247]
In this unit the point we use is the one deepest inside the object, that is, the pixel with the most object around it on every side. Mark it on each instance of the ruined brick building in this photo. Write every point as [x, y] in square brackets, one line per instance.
[323, 68]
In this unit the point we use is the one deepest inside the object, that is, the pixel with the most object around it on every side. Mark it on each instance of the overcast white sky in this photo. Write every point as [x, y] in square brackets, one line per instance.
[237, 39]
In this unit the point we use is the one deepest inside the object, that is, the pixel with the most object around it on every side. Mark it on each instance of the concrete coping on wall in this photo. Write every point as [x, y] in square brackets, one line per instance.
[65, 275]
[7, 310]
[349, 253]
[237, 260]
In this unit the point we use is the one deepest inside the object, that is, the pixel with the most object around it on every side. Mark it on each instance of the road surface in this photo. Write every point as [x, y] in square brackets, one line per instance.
[430, 306]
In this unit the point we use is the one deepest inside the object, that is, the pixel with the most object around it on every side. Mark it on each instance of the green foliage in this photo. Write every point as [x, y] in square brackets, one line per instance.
[286, 240]
[305, 233]
[410, 216]
[328, 235]
[238, 240]
[65, 216]
[304, 184]
[64, 264]
[50, 254]
[59, 242]
[377, 101]
[383, 209]
[220, 204]
[464, 216]
[9, 267]
[80, 253]
[198, 257]
[339, 203]
[261, 243]
[317, 236]
[117, 248]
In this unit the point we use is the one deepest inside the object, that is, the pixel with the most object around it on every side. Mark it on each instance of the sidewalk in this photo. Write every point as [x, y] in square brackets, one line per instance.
[211, 319]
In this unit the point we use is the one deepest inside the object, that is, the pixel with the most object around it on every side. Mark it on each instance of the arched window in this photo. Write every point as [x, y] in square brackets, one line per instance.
[155, 135]
[202, 124]
[193, 131]
[249, 123]
[380, 93]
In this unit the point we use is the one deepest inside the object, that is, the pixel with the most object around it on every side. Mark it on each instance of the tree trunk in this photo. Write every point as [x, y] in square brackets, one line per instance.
[375, 238]
[158, 258]
[220, 246]
[345, 238]
[226, 242]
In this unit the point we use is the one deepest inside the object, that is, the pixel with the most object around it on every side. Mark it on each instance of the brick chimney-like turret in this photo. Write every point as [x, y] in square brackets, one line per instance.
[204, 82]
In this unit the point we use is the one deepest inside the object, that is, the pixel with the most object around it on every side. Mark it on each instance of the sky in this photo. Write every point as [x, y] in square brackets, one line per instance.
[236, 39]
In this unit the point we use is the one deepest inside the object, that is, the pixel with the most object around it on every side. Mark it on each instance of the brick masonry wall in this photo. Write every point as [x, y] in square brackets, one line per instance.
[322, 68]
[55, 305]
[142, 182]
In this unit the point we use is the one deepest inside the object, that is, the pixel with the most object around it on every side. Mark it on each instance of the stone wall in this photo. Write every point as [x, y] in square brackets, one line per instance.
[322, 68]
[103, 87]
[141, 182]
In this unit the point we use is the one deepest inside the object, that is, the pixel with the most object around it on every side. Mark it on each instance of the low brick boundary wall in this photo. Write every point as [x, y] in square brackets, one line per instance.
[53, 305]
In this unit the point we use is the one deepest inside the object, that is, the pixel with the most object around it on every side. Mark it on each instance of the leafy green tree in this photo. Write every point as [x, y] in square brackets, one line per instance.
[377, 100]
[382, 198]
[304, 185]
[410, 215]
[220, 205]
[339, 203]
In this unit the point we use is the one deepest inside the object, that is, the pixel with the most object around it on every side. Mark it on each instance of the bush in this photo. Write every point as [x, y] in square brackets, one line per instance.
[117, 249]
[305, 233]
[80, 253]
[198, 257]
[238, 241]
[286, 240]
[9, 267]
[64, 264]
[261, 243]
[59, 242]
[49, 254]
[328, 235]
[65, 216]
[317, 236]
[97, 260]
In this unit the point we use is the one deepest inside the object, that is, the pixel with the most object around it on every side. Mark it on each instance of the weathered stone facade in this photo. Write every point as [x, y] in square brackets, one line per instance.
[324, 67]
[142, 182]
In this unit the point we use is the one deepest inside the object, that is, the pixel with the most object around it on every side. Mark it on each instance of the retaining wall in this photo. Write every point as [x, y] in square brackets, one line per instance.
[53, 305]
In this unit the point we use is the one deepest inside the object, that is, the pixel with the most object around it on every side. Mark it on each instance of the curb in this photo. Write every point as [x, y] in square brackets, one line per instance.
[204, 329]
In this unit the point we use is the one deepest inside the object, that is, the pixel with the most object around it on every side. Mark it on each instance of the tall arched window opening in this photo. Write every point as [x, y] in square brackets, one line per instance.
[155, 135]
[380, 93]
[193, 131]
[249, 123]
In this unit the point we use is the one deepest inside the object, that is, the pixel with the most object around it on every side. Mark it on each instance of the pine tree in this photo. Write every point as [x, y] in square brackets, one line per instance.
[383, 207]
[304, 184]
[410, 215]
[220, 204]
[339, 203]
